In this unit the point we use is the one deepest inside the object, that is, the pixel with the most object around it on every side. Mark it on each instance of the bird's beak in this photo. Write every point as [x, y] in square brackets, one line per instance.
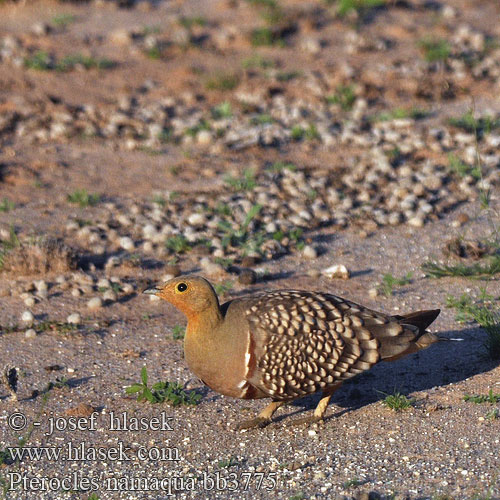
[151, 291]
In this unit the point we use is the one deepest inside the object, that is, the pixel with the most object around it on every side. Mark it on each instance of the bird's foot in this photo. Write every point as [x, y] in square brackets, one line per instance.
[306, 421]
[257, 422]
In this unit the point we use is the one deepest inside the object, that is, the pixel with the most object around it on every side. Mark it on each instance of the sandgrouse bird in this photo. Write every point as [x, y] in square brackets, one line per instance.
[286, 344]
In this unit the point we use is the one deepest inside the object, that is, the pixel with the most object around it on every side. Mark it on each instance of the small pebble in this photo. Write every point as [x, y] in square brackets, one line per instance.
[373, 292]
[127, 243]
[29, 301]
[94, 303]
[29, 334]
[27, 317]
[337, 271]
[109, 295]
[74, 319]
[309, 252]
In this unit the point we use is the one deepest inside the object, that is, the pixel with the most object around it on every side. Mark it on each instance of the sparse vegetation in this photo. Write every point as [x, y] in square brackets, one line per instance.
[246, 182]
[351, 483]
[297, 133]
[223, 110]
[6, 205]
[461, 168]
[257, 61]
[222, 81]
[279, 166]
[223, 288]
[178, 244]
[483, 398]
[160, 392]
[43, 61]
[478, 126]
[476, 270]
[83, 198]
[401, 113]
[435, 50]
[485, 312]
[63, 20]
[190, 21]
[344, 96]
[226, 463]
[178, 332]
[345, 7]
[397, 401]
[6, 246]
[389, 282]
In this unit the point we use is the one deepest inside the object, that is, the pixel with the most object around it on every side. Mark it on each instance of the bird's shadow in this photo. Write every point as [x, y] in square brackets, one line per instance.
[441, 364]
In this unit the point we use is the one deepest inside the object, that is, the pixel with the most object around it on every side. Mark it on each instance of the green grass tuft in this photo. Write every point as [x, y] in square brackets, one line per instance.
[178, 244]
[435, 49]
[160, 392]
[222, 81]
[476, 270]
[83, 198]
[482, 313]
[398, 401]
[389, 282]
[483, 398]
[6, 205]
[344, 96]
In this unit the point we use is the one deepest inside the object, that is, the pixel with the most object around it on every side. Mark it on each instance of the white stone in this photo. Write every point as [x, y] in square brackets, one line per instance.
[337, 271]
[204, 137]
[74, 319]
[127, 243]
[29, 334]
[28, 317]
[94, 303]
[29, 301]
[309, 252]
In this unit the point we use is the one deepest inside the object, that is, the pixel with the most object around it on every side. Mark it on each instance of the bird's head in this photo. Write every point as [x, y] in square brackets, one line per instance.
[192, 295]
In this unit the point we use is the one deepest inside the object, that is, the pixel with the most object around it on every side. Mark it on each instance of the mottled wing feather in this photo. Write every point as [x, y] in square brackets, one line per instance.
[307, 341]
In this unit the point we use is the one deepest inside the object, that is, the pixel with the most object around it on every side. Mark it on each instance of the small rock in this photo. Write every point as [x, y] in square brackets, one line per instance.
[94, 303]
[29, 301]
[313, 273]
[40, 29]
[109, 295]
[76, 292]
[247, 277]
[204, 137]
[82, 410]
[127, 243]
[120, 37]
[416, 221]
[103, 283]
[74, 319]
[27, 317]
[29, 334]
[309, 252]
[337, 271]
[127, 288]
[41, 285]
[373, 292]
[197, 219]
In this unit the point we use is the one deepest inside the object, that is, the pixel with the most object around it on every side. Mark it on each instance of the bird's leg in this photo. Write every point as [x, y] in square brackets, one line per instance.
[263, 418]
[320, 409]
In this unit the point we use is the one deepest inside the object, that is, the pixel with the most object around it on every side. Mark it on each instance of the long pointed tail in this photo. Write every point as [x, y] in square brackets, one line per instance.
[415, 336]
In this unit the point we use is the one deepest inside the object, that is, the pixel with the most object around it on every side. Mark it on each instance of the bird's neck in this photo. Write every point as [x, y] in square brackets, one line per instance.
[202, 326]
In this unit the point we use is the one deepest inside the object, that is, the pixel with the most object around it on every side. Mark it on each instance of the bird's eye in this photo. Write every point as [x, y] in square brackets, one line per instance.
[181, 287]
